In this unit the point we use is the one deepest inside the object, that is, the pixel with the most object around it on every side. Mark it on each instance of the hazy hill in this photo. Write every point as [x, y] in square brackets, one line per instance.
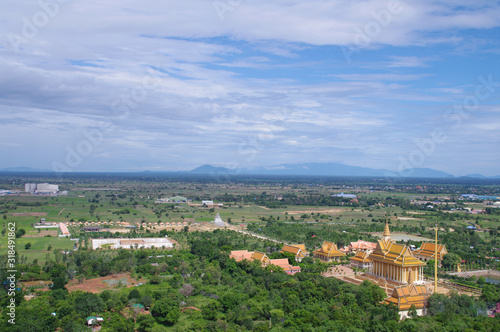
[325, 169]
[23, 169]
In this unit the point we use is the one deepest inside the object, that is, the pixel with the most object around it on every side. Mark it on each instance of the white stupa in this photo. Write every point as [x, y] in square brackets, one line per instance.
[218, 221]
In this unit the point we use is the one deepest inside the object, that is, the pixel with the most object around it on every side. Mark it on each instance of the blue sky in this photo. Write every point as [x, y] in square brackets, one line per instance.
[172, 85]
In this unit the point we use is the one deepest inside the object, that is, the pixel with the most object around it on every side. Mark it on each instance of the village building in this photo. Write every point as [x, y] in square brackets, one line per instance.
[298, 250]
[361, 260]
[91, 229]
[64, 230]
[93, 320]
[149, 242]
[428, 251]
[285, 265]
[328, 252]
[395, 261]
[240, 255]
[361, 245]
[342, 195]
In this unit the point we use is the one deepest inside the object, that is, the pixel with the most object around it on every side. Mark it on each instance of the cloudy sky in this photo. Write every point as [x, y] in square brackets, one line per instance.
[172, 85]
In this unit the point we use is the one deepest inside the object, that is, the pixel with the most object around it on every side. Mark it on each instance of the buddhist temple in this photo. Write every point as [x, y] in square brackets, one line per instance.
[328, 252]
[406, 296]
[428, 250]
[299, 250]
[361, 260]
[261, 257]
[395, 261]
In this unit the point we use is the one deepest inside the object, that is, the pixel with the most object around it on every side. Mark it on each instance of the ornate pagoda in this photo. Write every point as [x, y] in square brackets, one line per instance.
[395, 261]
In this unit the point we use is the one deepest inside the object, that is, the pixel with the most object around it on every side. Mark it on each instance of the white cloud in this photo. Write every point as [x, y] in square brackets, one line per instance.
[266, 67]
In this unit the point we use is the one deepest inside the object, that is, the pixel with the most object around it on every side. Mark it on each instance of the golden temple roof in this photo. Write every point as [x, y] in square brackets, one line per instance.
[260, 256]
[406, 296]
[429, 250]
[329, 249]
[397, 254]
[361, 256]
[296, 249]
[388, 251]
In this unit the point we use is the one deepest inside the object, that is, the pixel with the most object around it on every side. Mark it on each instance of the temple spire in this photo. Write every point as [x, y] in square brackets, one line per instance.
[387, 232]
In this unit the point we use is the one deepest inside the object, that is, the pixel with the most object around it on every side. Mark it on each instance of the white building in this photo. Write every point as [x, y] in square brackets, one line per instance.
[41, 188]
[30, 187]
[344, 195]
[45, 188]
[147, 242]
[218, 221]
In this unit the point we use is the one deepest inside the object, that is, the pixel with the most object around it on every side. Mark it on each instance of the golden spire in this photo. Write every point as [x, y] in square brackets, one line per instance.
[387, 232]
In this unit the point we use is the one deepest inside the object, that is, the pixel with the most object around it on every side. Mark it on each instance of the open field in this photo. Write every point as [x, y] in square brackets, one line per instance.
[39, 246]
[31, 214]
[317, 211]
[94, 285]
[97, 285]
[251, 202]
[42, 233]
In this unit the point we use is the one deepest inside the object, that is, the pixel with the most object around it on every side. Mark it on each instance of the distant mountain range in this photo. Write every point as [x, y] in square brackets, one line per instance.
[309, 169]
[23, 169]
[330, 169]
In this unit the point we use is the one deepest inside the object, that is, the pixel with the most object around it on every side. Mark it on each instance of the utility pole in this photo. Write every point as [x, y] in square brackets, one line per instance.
[436, 261]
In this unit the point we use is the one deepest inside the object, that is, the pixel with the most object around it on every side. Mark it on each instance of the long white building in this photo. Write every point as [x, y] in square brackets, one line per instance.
[47, 188]
[41, 188]
[148, 242]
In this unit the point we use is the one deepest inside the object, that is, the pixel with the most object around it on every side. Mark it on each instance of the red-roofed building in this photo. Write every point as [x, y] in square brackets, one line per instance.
[64, 230]
[362, 246]
[240, 255]
[285, 265]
